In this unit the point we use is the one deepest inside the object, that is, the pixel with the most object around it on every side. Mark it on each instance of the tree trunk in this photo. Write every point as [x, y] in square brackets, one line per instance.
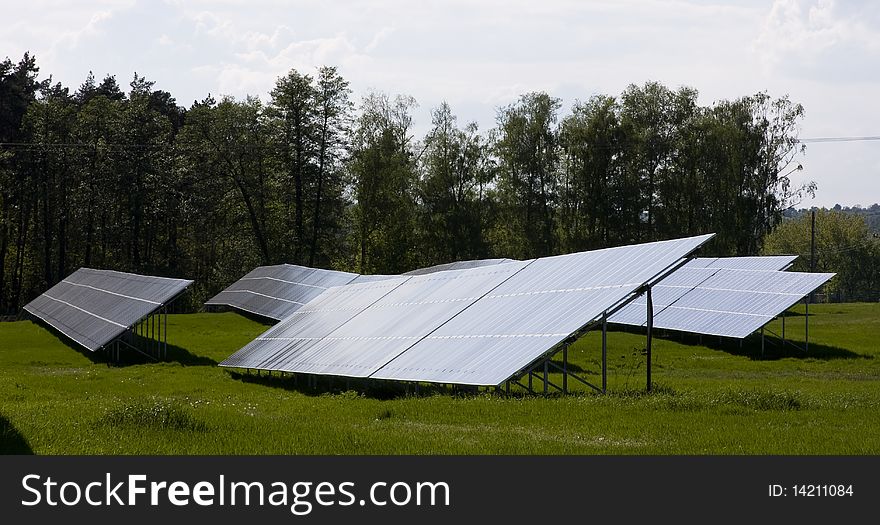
[62, 223]
[47, 228]
[316, 220]
[298, 196]
[4, 246]
[255, 222]
[21, 241]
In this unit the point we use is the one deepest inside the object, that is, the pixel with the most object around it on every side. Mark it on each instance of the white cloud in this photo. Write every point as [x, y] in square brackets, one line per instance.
[807, 38]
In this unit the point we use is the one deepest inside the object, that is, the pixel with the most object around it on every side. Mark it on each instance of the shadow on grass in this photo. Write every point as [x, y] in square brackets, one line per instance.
[774, 347]
[387, 390]
[371, 388]
[11, 440]
[572, 367]
[257, 318]
[128, 356]
[171, 354]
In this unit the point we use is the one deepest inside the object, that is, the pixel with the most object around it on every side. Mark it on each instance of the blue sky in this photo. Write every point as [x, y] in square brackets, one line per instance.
[481, 55]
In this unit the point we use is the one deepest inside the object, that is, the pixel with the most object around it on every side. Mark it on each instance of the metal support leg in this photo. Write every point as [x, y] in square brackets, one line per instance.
[604, 352]
[650, 329]
[546, 378]
[565, 370]
[762, 341]
[783, 329]
[530, 382]
[807, 324]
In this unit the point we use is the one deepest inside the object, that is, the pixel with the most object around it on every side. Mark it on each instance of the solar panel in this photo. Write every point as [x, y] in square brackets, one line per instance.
[277, 291]
[693, 273]
[736, 303]
[318, 319]
[763, 262]
[371, 278]
[93, 307]
[458, 265]
[539, 307]
[472, 326]
[721, 301]
[387, 327]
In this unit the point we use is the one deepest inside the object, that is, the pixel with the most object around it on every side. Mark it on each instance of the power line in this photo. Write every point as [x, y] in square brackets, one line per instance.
[810, 140]
[816, 140]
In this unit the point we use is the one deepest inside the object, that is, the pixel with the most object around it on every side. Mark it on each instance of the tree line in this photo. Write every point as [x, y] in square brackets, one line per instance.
[127, 179]
[844, 244]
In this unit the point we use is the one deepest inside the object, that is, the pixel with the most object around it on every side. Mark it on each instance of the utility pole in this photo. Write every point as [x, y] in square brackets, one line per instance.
[812, 241]
[812, 269]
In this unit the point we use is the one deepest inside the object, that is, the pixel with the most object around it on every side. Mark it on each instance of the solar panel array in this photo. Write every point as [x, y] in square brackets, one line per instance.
[688, 277]
[763, 262]
[94, 307]
[458, 265]
[277, 291]
[730, 297]
[736, 303]
[476, 326]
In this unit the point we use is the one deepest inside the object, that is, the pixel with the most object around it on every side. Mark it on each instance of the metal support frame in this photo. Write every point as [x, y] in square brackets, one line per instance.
[649, 336]
[565, 370]
[546, 375]
[783, 328]
[762, 341]
[547, 383]
[807, 323]
[575, 377]
[605, 352]
[528, 372]
[136, 349]
[151, 333]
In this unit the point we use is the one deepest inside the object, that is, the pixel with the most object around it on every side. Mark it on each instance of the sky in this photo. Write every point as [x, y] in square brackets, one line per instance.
[479, 56]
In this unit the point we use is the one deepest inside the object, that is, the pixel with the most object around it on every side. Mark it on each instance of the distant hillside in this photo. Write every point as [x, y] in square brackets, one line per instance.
[871, 214]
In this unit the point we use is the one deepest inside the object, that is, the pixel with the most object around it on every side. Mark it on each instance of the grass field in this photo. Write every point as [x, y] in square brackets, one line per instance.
[710, 398]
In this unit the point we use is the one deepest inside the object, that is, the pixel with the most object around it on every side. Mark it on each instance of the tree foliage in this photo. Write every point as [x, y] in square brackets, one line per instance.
[130, 180]
[844, 245]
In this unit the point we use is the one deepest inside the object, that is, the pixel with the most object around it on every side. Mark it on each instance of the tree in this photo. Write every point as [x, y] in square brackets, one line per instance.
[333, 116]
[653, 116]
[526, 151]
[18, 89]
[229, 140]
[752, 150]
[452, 165]
[843, 245]
[595, 204]
[293, 108]
[96, 129]
[382, 171]
[49, 125]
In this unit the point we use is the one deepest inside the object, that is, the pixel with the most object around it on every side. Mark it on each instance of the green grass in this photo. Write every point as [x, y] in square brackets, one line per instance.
[710, 398]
